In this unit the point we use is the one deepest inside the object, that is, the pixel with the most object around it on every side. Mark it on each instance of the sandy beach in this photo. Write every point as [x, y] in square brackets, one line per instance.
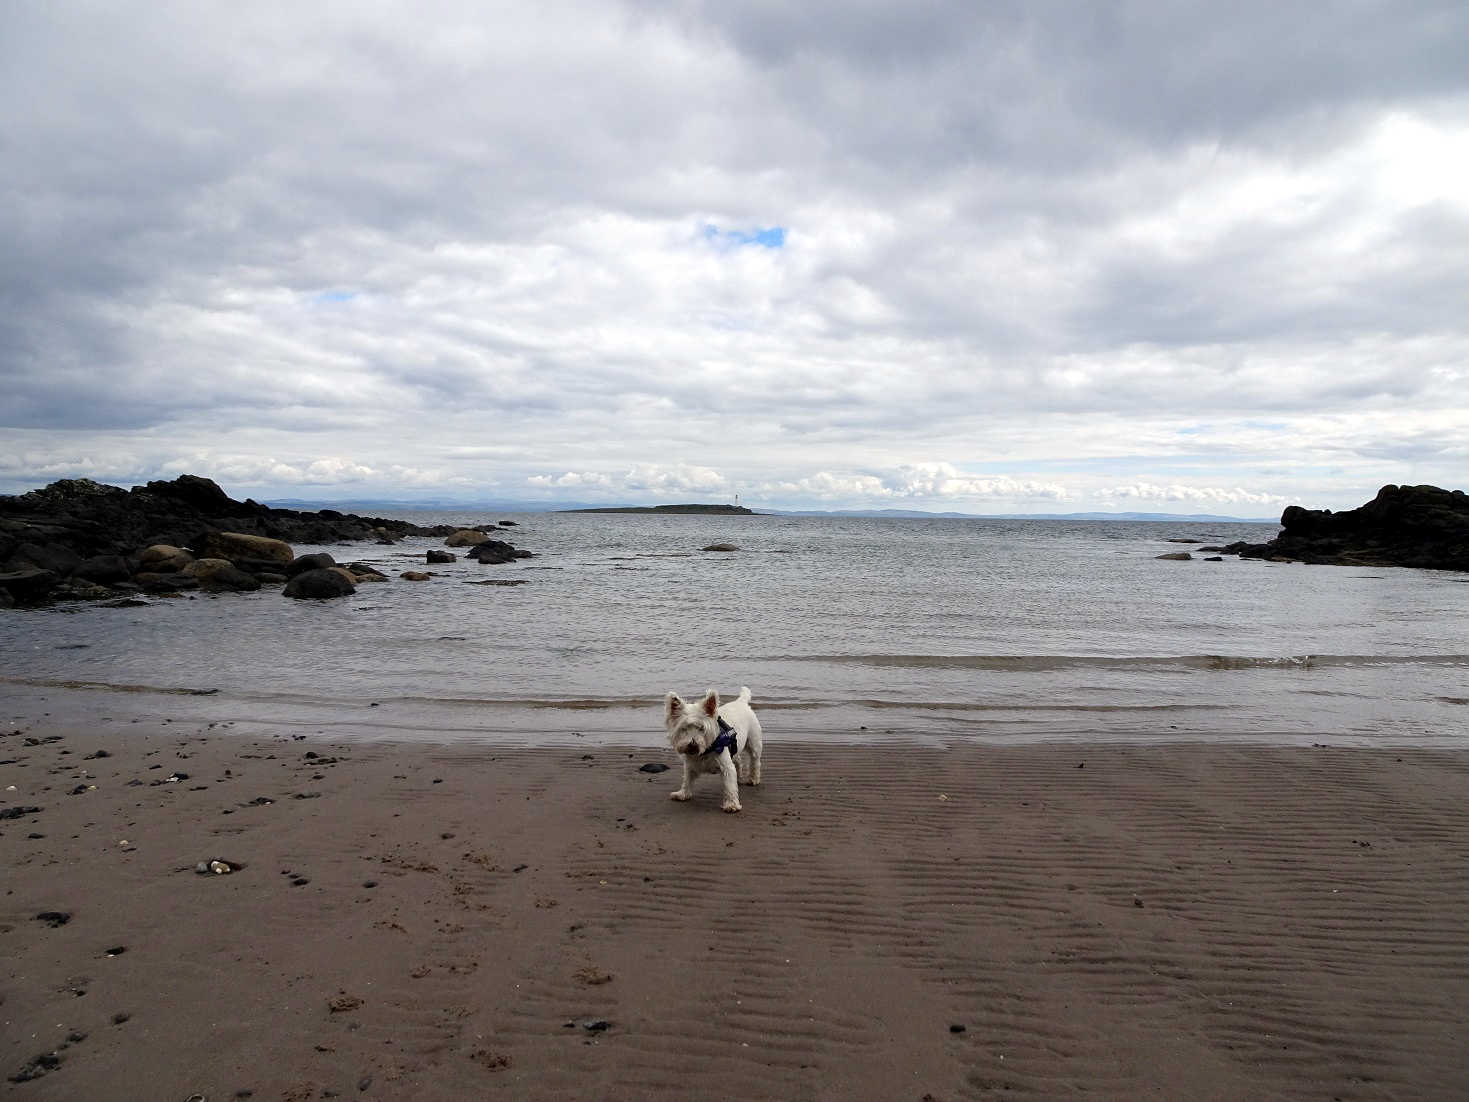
[451, 922]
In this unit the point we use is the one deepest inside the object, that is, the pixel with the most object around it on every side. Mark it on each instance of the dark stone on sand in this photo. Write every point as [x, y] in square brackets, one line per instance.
[319, 585]
[18, 812]
[36, 1067]
[54, 918]
[653, 767]
[601, 1025]
[120, 1017]
[1425, 527]
[957, 1028]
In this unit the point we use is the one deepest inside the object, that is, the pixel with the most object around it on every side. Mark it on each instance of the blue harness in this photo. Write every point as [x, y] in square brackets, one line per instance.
[726, 740]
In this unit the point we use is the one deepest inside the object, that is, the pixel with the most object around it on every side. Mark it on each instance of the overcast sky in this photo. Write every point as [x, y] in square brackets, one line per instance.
[986, 257]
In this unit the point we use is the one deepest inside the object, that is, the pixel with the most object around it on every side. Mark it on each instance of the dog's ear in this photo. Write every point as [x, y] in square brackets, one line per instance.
[711, 703]
[672, 706]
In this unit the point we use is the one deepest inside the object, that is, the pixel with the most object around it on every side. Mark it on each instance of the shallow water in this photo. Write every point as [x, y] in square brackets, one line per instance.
[927, 630]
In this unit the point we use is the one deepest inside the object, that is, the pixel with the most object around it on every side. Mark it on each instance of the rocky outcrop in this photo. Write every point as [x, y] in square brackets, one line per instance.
[79, 539]
[1417, 526]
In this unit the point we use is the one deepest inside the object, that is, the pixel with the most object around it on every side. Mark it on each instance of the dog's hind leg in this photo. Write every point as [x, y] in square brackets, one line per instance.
[754, 749]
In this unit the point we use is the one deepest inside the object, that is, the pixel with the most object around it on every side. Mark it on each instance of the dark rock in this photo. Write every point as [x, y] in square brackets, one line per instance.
[302, 563]
[104, 569]
[1416, 526]
[55, 557]
[319, 585]
[438, 557]
[18, 812]
[36, 1067]
[203, 495]
[1176, 556]
[1214, 558]
[216, 575]
[720, 547]
[165, 583]
[54, 918]
[491, 552]
[653, 767]
[28, 584]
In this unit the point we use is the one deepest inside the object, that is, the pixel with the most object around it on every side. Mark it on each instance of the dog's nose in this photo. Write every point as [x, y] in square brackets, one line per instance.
[692, 750]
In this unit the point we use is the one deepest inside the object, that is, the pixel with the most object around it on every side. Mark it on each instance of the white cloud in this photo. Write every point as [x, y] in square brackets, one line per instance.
[1025, 260]
[1208, 495]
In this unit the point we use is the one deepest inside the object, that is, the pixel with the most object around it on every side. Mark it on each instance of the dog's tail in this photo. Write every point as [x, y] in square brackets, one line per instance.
[744, 697]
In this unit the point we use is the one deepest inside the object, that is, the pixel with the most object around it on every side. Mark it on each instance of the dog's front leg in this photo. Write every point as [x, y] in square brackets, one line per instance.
[687, 791]
[729, 775]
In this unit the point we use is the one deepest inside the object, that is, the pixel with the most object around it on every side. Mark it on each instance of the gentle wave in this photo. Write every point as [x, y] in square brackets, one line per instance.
[1044, 663]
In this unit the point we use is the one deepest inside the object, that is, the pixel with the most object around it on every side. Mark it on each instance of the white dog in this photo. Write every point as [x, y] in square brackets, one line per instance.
[714, 739]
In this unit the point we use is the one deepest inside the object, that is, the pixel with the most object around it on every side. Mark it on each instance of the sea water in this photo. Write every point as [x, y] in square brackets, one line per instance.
[930, 630]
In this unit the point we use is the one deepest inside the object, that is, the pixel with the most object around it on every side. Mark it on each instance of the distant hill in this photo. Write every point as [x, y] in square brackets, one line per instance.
[543, 506]
[702, 510]
[919, 514]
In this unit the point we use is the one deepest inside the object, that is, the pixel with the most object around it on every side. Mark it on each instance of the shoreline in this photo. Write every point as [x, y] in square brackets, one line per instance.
[1196, 921]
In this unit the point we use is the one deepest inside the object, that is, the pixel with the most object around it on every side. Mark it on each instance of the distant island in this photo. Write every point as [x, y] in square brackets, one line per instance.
[701, 510]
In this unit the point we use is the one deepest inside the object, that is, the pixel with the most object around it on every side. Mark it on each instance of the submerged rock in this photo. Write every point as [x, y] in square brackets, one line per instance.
[320, 584]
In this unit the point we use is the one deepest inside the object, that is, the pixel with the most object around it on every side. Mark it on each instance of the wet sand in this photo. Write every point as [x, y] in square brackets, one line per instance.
[451, 922]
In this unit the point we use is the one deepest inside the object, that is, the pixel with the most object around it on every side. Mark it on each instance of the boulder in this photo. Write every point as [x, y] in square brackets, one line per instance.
[465, 537]
[415, 575]
[220, 574]
[236, 546]
[164, 558]
[1176, 556]
[103, 569]
[28, 584]
[491, 552]
[320, 584]
[302, 563]
[440, 557]
[720, 547]
[363, 572]
[55, 557]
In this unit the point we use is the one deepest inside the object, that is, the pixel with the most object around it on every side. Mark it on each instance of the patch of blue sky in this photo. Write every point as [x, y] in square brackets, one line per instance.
[772, 237]
[332, 297]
